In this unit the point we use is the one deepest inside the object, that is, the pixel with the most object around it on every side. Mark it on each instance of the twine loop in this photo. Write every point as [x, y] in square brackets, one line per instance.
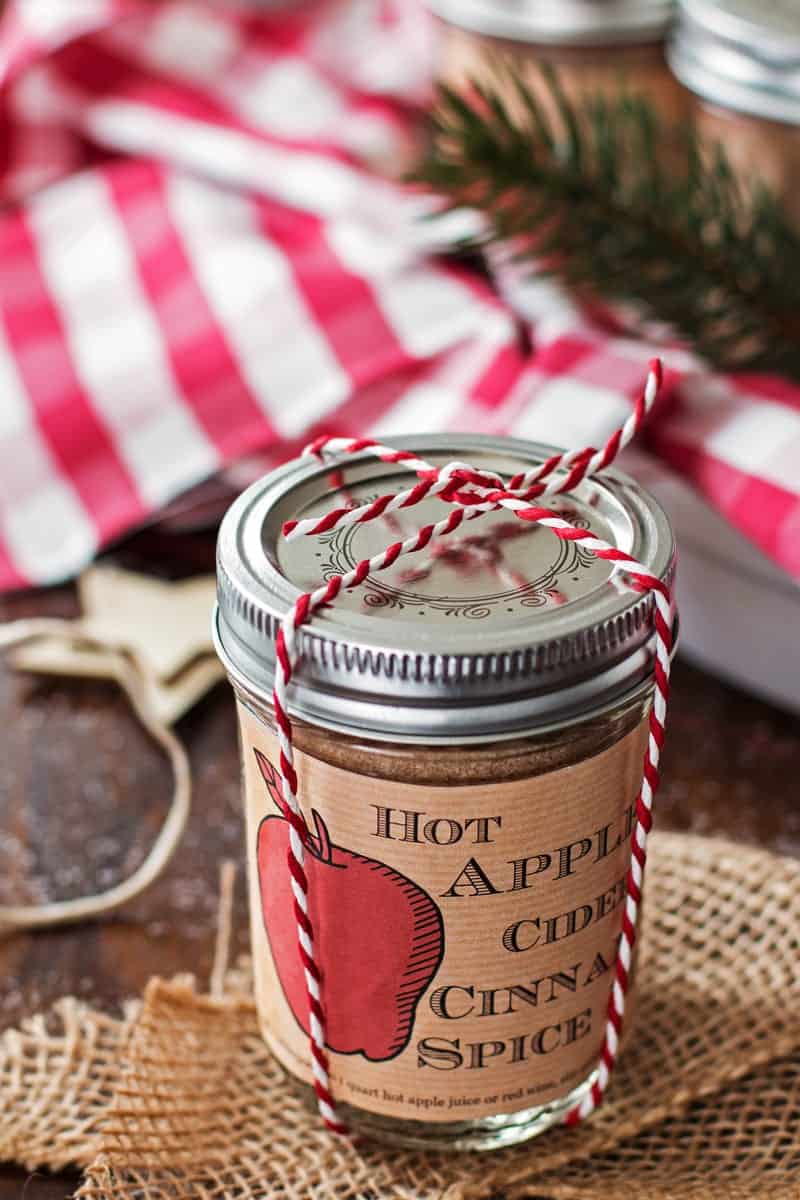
[131, 674]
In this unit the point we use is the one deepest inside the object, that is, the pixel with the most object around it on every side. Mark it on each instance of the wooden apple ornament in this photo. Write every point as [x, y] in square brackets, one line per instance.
[379, 936]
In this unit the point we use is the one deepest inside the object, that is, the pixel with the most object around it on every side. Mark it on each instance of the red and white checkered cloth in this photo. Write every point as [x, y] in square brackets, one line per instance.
[201, 255]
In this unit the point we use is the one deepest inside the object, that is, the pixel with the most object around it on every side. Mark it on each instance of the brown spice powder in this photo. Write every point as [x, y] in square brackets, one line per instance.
[440, 766]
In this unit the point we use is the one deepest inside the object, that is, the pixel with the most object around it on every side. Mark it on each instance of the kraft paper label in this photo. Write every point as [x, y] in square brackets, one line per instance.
[466, 935]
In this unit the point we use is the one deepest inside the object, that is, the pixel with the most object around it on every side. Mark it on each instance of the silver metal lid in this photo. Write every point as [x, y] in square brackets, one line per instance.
[498, 629]
[561, 22]
[741, 54]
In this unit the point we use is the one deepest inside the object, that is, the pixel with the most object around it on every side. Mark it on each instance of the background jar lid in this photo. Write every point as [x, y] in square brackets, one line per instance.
[561, 22]
[741, 54]
[499, 629]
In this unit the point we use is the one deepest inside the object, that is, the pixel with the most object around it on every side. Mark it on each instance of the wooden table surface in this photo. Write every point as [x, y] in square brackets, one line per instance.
[82, 790]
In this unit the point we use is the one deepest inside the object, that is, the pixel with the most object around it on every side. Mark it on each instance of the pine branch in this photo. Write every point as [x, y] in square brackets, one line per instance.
[598, 194]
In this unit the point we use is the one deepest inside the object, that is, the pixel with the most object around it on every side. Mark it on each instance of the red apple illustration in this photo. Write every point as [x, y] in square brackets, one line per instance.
[379, 937]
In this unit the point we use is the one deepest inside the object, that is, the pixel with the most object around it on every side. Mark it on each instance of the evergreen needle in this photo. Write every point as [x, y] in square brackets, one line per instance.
[600, 194]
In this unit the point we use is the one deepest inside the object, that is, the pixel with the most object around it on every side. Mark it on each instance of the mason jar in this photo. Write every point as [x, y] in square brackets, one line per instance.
[469, 729]
[740, 63]
[597, 46]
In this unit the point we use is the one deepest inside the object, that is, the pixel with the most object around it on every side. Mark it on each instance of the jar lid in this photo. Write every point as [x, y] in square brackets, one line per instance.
[741, 54]
[499, 629]
[561, 22]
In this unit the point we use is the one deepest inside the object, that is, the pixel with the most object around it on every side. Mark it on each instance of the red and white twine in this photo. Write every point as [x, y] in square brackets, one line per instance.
[472, 493]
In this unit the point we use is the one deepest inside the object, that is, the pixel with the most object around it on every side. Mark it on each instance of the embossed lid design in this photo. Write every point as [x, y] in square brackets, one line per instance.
[497, 629]
[742, 54]
[561, 22]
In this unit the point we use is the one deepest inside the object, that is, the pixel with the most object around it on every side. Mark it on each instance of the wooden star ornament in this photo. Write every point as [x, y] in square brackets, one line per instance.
[164, 627]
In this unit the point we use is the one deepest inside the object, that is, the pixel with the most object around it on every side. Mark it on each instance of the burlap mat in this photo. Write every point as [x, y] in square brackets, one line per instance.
[184, 1100]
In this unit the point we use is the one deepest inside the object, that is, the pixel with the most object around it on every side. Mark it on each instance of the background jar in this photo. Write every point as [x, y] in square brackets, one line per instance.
[504, 669]
[596, 45]
[739, 61]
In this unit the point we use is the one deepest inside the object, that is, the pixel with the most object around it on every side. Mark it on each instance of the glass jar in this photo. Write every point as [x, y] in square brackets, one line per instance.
[469, 733]
[598, 46]
[740, 63]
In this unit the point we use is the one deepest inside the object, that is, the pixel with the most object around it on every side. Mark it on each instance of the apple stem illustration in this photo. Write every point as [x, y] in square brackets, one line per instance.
[323, 850]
